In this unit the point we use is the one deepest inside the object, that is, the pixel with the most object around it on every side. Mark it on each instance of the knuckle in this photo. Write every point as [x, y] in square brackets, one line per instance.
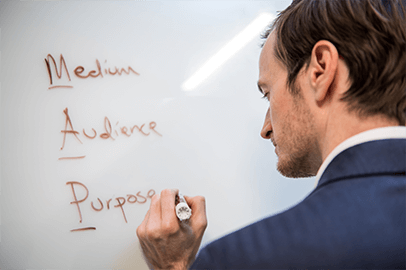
[205, 223]
[155, 198]
[166, 192]
[202, 223]
[152, 234]
[169, 228]
[139, 232]
[201, 228]
[201, 199]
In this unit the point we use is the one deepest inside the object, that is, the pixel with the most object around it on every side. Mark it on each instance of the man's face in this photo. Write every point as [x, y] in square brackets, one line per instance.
[288, 122]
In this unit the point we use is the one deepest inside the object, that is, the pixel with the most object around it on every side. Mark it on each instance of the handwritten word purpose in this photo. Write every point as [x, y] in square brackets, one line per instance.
[80, 72]
[99, 206]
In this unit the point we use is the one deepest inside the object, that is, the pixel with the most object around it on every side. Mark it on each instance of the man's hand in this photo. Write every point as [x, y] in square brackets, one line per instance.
[168, 243]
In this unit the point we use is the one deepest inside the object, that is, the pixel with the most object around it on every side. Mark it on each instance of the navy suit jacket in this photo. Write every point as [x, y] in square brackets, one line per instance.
[355, 218]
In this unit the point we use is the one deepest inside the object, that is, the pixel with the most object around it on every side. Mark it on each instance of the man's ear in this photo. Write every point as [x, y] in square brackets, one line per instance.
[322, 69]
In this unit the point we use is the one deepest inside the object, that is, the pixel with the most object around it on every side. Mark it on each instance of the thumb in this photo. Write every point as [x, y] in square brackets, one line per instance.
[199, 217]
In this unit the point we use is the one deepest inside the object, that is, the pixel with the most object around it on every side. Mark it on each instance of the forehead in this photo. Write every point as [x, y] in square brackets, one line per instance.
[267, 49]
[266, 55]
[268, 64]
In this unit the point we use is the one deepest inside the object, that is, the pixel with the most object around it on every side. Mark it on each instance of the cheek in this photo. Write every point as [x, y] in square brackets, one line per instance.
[282, 120]
[274, 114]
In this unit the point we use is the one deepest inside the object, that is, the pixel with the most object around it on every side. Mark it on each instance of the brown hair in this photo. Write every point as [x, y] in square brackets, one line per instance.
[369, 34]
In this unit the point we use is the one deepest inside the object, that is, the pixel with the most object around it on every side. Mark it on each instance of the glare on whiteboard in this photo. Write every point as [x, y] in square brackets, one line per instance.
[229, 50]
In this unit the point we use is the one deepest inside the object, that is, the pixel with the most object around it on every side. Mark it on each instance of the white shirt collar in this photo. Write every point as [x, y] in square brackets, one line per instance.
[398, 132]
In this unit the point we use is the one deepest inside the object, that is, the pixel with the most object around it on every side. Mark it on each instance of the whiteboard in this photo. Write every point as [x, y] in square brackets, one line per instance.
[86, 142]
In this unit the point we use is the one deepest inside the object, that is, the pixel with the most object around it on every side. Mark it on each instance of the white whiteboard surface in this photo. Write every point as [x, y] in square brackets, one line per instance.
[204, 142]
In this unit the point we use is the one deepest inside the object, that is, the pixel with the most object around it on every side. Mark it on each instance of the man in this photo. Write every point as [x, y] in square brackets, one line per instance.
[334, 72]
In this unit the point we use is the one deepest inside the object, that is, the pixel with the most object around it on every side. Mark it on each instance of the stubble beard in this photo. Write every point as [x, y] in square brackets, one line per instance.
[299, 165]
[300, 157]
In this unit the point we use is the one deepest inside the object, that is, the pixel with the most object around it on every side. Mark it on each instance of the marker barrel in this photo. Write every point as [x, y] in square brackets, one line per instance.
[182, 209]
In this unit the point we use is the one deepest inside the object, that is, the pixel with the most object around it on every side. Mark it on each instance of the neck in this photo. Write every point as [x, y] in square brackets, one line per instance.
[344, 127]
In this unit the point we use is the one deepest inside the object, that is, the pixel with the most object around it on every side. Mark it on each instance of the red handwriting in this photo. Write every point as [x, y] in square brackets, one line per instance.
[59, 74]
[84, 229]
[66, 131]
[109, 131]
[93, 73]
[132, 199]
[76, 201]
[79, 157]
[80, 71]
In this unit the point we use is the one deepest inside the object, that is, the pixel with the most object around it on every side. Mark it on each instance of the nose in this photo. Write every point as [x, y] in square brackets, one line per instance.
[267, 127]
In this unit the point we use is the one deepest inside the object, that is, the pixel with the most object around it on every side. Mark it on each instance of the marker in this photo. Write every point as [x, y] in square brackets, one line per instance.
[182, 210]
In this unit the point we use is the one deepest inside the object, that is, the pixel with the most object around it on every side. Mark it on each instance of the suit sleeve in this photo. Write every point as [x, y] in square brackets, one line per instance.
[204, 260]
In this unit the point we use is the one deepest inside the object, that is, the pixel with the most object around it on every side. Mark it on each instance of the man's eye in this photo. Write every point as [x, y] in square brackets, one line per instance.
[265, 96]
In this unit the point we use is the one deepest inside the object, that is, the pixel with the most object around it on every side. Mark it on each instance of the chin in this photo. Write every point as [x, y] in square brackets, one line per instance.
[295, 168]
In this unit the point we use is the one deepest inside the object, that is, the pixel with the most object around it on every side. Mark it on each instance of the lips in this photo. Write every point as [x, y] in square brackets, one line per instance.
[276, 149]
